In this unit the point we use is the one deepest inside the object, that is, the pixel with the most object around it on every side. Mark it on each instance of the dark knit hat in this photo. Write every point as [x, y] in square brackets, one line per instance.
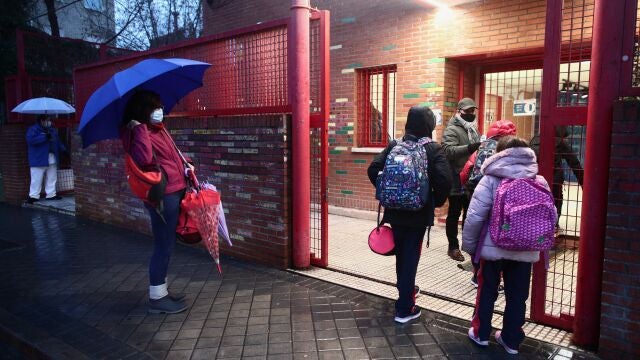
[420, 121]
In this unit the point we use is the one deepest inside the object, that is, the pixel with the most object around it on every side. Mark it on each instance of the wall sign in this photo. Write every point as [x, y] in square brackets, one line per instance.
[526, 107]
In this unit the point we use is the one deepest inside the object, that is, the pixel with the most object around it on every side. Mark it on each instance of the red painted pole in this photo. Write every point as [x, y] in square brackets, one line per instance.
[604, 88]
[299, 96]
[551, 72]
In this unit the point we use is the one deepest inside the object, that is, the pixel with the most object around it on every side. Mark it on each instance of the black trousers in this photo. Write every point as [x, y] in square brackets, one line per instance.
[556, 189]
[408, 246]
[457, 204]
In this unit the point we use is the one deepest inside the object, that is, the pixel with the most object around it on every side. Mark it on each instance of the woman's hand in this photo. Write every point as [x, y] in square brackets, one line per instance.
[132, 124]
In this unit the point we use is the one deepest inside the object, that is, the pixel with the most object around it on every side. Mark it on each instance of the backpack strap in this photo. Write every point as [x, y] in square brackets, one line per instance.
[428, 235]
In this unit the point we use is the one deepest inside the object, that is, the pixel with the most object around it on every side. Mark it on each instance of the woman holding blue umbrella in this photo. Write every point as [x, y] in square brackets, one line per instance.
[150, 145]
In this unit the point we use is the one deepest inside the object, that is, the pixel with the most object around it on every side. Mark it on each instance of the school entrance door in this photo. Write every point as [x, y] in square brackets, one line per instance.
[509, 92]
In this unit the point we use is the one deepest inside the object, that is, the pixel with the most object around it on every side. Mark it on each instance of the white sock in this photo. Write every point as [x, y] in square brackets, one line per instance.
[158, 291]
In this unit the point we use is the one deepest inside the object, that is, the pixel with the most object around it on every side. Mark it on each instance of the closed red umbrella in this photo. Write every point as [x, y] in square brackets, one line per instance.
[202, 204]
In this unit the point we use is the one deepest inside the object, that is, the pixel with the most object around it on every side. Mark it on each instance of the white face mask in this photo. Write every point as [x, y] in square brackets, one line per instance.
[156, 116]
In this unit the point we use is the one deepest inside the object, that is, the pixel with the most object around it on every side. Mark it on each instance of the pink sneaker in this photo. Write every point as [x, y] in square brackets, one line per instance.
[476, 339]
[506, 348]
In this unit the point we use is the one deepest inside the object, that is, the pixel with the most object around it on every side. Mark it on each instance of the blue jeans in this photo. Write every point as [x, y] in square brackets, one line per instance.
[164, 236]
[408, 244]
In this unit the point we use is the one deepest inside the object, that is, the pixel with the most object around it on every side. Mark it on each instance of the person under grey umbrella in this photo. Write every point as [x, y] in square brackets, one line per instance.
[44, 147]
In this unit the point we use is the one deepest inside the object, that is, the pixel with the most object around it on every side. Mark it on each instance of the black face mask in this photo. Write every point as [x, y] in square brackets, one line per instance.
[468, 117]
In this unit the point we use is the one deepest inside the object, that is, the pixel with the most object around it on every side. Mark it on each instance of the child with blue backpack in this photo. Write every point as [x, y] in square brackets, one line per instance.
[409, 226]
[470, 175]
[484, 236]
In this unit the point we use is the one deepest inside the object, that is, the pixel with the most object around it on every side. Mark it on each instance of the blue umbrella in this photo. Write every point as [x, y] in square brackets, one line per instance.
[172, 79]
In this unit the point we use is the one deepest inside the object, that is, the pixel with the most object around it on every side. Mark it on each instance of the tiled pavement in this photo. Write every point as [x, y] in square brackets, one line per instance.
[75, 289]
[448, 288]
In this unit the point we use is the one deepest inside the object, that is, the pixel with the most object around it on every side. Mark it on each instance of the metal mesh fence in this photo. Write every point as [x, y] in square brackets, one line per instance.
[316, 194]
[577, 22]
[248, 73]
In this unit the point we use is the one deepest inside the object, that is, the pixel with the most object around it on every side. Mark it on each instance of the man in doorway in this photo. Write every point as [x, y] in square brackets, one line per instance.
[44, 154]
[460, 140]
[563, 151]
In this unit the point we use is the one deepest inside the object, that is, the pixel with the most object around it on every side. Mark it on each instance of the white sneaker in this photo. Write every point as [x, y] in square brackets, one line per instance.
[415, 313]
[506, 348]
[476, 339]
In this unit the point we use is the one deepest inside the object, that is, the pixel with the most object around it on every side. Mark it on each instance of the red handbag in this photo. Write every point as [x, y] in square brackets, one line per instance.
[186, 231]
[146, 185]
[195, 199]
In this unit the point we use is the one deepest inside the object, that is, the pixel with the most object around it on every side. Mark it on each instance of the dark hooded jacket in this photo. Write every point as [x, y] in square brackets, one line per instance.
[562, 151]
[420, 123]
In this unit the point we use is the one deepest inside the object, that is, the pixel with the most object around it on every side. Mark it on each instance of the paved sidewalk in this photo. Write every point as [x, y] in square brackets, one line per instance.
[75, 289]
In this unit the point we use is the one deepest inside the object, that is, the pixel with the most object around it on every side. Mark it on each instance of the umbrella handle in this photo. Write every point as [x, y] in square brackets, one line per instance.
[193, 178]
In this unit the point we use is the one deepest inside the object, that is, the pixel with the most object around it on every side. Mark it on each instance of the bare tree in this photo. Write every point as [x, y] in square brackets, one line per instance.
[145, 23]
[53, 17]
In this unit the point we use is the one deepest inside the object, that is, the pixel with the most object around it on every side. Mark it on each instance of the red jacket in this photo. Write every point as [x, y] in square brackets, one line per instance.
[146, 137]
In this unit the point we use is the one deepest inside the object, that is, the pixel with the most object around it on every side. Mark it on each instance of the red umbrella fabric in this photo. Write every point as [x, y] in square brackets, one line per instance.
[223, 230]
[203, 205]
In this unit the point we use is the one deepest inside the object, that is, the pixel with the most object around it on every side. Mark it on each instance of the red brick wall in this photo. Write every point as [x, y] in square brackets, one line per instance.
[620, 313]
[243, 157]
[14, 164]
[418, 39]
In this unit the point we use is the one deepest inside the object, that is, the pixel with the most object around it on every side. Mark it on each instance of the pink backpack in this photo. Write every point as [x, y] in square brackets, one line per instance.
[523, 216]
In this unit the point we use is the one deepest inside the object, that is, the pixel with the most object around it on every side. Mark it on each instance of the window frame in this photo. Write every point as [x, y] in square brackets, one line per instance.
[365, 110]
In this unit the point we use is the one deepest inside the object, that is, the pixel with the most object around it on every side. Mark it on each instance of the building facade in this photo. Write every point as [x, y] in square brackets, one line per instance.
[89, 20]
[387, 56]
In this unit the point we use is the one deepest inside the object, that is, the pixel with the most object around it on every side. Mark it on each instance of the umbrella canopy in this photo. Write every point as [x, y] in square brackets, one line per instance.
[44, 105]
[172, 79]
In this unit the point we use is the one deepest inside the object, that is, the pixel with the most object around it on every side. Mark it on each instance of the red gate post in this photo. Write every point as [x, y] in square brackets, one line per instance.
[604, 86]
[551, 74]
[298, 34]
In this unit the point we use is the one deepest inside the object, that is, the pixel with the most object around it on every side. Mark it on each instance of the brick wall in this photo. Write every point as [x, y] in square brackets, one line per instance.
[418, 39]
[620, 313]
[244, 157]
[14, 164]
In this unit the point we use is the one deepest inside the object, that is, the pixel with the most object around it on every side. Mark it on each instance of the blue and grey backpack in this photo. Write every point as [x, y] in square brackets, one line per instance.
[486, 150]
[404, 182]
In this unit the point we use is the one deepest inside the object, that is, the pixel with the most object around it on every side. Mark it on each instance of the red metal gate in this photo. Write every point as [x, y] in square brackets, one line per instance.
[319, 143]
[565, 97]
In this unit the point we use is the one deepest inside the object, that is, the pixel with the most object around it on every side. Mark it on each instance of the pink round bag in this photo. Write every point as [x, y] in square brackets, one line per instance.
[381, 240]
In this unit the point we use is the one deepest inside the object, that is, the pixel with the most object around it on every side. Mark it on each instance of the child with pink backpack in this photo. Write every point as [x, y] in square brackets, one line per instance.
[510, 220]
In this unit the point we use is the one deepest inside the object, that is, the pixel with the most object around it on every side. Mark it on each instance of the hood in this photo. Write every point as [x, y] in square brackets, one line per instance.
[513, 163]
[420, 121]
[501, 128]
